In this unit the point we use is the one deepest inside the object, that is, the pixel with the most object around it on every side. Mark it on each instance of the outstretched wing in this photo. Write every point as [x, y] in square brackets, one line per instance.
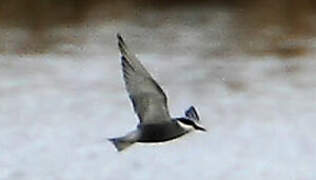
[149, 100]
[191, 113]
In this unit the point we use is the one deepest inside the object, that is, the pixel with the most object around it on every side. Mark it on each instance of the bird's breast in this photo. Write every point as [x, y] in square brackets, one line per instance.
[160, 132]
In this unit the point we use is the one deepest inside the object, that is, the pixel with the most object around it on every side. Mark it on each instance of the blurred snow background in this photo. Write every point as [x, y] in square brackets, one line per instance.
[251, 77]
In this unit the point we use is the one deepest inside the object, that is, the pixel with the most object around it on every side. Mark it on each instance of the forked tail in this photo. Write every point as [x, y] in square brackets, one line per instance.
[191, 113]
[120, 143]
[124, 142]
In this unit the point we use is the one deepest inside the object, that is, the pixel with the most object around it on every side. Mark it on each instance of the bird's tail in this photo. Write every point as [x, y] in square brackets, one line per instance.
[124, 142]
[120, 143]
[191, 113]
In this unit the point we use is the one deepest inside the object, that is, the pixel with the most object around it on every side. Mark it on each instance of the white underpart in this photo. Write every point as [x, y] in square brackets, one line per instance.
[133, 136]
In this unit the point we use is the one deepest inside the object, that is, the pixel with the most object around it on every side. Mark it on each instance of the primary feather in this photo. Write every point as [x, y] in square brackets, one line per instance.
[149, 100]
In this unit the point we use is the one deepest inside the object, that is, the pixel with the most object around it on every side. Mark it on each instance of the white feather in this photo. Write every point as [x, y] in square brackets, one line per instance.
[185, 126]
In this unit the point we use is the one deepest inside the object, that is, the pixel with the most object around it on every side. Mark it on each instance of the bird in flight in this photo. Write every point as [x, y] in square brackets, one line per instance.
[150, 104]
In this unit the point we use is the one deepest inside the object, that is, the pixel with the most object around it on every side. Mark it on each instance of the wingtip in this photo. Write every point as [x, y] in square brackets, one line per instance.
[119, 37]
[121, 43]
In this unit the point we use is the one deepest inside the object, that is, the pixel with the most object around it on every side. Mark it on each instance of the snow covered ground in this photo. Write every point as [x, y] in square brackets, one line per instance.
[56, 112]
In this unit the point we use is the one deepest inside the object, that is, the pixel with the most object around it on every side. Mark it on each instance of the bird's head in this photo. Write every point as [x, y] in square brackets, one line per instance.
[189, 124]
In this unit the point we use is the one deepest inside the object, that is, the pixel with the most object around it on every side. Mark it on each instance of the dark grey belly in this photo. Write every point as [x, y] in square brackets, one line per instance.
[160, 132]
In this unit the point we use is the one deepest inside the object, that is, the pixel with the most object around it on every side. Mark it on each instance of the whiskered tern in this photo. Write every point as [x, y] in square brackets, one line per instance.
[150, 105]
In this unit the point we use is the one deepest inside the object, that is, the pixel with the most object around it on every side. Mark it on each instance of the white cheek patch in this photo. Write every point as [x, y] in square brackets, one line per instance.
[185, 126]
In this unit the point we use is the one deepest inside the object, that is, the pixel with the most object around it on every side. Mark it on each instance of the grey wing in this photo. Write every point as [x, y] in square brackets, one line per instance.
[191, 113]
[149, 100]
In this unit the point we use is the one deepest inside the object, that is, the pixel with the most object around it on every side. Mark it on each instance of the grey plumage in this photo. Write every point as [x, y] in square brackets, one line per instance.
[150, 104]
[192, 114]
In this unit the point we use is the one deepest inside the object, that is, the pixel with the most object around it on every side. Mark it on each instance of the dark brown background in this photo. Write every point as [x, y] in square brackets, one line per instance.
[293, 18]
